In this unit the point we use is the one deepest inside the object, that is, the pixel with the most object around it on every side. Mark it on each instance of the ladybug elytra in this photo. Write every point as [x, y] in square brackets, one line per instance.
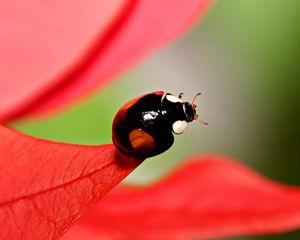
[144, 126]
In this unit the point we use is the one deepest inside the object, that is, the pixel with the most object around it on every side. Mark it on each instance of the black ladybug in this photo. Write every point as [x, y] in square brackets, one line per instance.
[144, 126]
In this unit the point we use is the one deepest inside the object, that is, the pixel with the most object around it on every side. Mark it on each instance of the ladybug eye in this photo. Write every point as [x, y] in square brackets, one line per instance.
[179, 126]
[173, 99]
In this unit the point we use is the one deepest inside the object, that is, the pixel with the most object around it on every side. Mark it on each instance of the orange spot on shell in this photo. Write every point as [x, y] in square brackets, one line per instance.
[141, 141]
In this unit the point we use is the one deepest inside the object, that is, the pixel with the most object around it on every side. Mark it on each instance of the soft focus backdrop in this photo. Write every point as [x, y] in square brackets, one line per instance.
[244, 57]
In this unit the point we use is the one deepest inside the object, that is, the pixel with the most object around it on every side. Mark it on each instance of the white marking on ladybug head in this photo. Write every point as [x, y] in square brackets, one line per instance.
[179, 126]
[173, 99]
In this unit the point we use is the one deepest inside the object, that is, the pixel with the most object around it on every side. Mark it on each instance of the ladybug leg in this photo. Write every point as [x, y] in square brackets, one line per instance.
[163, 97]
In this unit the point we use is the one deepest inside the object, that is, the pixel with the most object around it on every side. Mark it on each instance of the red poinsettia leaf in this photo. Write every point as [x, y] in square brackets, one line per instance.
[42, 42]
[45, 186]
[210, 196]
[146, 25]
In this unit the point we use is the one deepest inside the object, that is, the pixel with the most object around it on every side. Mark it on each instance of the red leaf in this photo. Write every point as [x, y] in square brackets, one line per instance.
[145, 25]
[42, 42]
[209, 197]
[45, 186]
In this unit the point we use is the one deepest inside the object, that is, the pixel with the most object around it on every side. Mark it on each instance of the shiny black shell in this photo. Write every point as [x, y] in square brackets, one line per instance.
[152, 116]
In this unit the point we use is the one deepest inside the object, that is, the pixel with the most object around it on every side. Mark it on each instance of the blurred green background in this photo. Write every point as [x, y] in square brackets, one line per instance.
[244, 57]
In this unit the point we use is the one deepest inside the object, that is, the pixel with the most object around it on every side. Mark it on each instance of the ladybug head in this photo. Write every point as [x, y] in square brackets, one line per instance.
[190, 110]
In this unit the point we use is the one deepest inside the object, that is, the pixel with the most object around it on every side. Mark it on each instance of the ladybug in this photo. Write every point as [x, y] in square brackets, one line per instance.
[144, 126]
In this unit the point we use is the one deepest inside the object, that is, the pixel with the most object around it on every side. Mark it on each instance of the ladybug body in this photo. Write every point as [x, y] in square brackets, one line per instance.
[144, 126]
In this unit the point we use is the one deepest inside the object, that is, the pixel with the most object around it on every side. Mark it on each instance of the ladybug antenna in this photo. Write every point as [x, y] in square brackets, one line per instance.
[193, 102]
[205, 123]
[180, 95]
[194, 106]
